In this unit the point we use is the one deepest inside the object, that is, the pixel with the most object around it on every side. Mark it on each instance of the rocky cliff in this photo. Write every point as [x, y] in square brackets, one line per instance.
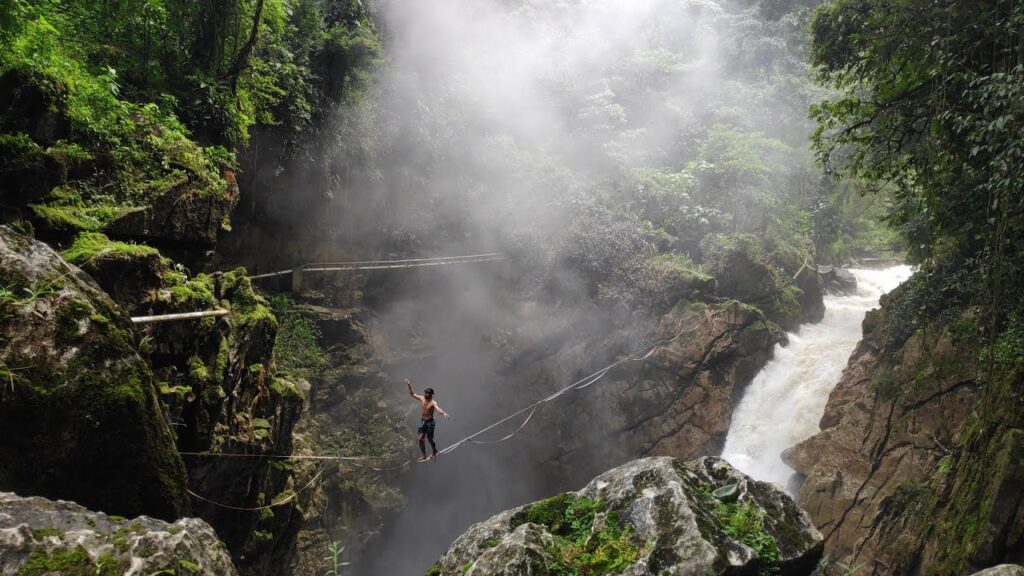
[650, 516]
[916, 470]
[678, 401]
[220, 387]
[40, 537]
[78, 406]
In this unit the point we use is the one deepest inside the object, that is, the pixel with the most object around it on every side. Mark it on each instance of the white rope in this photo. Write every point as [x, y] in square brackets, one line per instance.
[384, 264]
[577, 385]
[511, 434]
[581, 384]
[279, 456]
[291, 497]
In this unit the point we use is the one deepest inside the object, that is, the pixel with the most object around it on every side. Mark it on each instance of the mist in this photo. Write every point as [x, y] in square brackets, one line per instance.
[529, 128]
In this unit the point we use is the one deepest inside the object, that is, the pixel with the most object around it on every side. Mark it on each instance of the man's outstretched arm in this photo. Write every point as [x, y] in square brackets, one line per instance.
[439, 410]
[408, 385]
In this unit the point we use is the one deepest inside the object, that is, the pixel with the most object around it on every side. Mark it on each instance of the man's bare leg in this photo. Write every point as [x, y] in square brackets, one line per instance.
[423, 448]
[433, 448]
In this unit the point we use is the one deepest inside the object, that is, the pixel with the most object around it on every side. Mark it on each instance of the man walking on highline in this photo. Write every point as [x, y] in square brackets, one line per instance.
[426, 429]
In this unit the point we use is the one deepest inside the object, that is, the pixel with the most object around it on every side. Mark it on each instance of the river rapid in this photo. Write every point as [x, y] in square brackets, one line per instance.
[784, 403]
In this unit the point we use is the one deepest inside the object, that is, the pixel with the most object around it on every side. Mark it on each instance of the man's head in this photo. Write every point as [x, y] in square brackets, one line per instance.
[429, 393]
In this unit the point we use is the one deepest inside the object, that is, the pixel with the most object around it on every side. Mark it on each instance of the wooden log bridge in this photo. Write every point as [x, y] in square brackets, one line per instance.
[298, 273]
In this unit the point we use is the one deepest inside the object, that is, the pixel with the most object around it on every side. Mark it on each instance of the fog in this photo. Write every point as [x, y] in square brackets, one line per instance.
[527, 127]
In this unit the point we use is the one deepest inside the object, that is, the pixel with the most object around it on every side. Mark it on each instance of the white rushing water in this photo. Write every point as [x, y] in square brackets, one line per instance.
[786, 400]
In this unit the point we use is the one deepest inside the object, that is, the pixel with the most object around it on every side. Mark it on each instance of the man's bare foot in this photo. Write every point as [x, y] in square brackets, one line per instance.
[422, 459]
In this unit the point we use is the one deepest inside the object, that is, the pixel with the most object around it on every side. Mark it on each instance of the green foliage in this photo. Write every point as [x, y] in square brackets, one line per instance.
[930, 103]
[111, 152]
[581, 547]
[297, 349]
[744, 523]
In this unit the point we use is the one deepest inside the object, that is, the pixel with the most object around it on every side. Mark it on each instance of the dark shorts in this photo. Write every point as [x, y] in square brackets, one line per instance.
[427, 427]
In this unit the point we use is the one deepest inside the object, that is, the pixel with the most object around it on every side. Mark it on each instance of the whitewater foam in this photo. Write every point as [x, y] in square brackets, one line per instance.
[785, 401]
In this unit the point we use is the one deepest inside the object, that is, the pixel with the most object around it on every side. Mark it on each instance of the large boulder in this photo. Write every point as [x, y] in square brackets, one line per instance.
[840, 281]
[649, 516]
[182, 215]
[41, 537]
[1002, 570]
[79, 416]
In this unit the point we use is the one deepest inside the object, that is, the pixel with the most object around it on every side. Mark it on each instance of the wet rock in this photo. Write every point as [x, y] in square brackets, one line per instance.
[840, 281]
[39, 536]
[131, 274]
[890, 480]
[183, 215]
[78, 408]
[812, 295]
[677, 402]
[744, 273]
[649, 516]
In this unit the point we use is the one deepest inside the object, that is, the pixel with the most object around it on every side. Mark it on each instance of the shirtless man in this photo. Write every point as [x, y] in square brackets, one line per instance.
[426, 429]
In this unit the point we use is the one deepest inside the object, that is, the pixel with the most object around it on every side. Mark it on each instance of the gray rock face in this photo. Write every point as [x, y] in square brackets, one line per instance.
[39, 536]
[841, 281]
[1002, 570]
[663, 518]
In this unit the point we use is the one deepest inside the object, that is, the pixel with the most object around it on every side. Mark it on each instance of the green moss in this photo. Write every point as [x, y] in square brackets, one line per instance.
[189, 293]
[681, 265]
[492, 542]
[285, 388]
[435, 570]
[297, 349]
[92, 245]
[69, 317]
[43, 533]
[74, 562]
[197, 370]
[75, 218]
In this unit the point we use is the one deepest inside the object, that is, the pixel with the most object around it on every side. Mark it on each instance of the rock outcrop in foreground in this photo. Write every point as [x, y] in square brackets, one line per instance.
[41, 537]
[650, 516]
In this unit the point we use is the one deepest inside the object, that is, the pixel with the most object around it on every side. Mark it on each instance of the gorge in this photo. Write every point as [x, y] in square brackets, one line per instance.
[706, 286]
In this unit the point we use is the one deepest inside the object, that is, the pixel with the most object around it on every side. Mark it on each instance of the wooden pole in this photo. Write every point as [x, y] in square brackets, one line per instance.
[179, 316]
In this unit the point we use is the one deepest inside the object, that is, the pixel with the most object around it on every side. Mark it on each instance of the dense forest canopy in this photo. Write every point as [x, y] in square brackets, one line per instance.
[931, 107]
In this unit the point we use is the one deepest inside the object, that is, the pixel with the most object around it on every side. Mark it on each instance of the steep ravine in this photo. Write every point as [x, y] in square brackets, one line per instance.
[917, 468]
[784, 403]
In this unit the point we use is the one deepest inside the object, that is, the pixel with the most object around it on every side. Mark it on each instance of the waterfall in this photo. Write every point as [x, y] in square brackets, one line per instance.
[786, 400]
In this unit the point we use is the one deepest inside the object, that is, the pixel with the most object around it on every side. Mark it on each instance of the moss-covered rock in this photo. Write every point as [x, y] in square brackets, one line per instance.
[222, 388]
[745, 273]
[79, 411]
[41, 537]
[130, 273]
[646, 517]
